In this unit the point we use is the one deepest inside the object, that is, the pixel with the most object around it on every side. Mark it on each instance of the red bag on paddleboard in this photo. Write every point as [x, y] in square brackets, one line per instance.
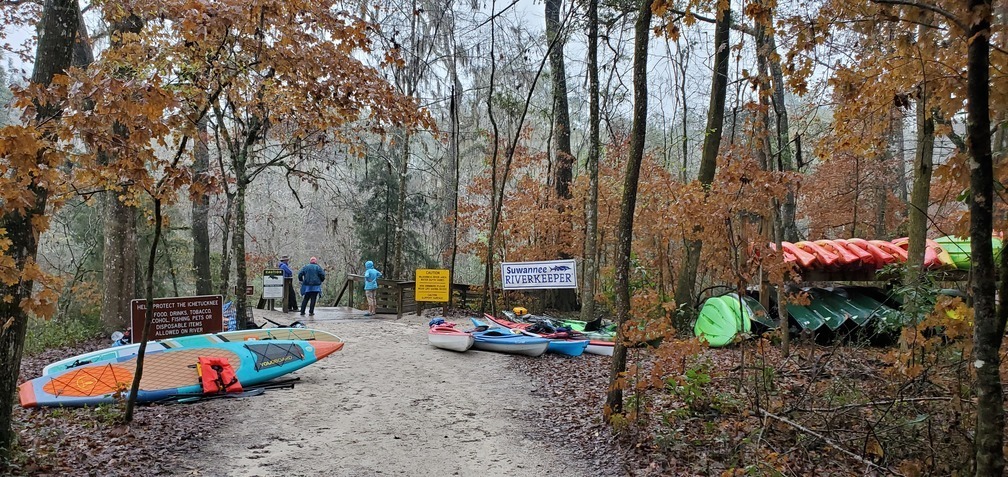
[217, 376]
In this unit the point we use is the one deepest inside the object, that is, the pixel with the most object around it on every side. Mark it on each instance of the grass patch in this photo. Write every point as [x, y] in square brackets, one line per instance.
[57, 333]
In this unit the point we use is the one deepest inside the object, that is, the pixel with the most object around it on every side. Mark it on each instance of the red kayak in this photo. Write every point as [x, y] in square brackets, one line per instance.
[865, 257]
[846, 258]
[825, 258]
[604, 348]
[879, 256]
[897, 254]
[801, 257]
[934, 255]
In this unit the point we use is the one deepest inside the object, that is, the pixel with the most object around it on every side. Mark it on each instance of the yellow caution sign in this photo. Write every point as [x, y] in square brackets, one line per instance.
[433, 285]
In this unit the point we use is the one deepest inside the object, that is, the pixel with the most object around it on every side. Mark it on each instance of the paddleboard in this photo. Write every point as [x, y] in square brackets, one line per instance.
[171, 373]
[115, 353]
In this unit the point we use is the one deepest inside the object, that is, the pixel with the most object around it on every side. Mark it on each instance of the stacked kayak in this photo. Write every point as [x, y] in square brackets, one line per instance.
[723, 317]
[832, 309]
[118, 352]
[854, 254]
[504, 340]
[959, 250]
[442, 334]
[172, 373]
[565, 342]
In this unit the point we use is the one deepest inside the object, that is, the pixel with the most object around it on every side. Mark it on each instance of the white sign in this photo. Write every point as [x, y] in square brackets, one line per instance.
[272, 284]
[539, 275]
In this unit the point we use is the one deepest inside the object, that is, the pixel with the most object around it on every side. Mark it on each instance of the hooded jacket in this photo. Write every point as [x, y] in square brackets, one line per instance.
[371, 276]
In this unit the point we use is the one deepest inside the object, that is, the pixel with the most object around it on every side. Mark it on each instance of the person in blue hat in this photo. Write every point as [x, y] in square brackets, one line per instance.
[371, 276]
[311, 277]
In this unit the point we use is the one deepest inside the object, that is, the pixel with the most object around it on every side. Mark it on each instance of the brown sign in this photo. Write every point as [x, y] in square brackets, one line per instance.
[249, 290]
[174, 317]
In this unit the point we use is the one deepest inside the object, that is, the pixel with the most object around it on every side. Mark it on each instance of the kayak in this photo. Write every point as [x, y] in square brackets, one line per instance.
[504, 340]
[115, 353]
[722, 318]
[794, 254]
[567, 343]
[172, 373]
[846, 258]
[865, 258]
[934, 255]
[825, 258]
[445, 336]
[880, 257]
[959, 250]
[896, 254]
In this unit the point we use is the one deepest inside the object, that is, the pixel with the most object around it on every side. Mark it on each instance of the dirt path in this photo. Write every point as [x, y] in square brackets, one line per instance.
[387, 404]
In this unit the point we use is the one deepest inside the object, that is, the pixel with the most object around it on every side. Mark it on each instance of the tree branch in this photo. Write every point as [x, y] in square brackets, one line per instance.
[825, 440]
[926, 6]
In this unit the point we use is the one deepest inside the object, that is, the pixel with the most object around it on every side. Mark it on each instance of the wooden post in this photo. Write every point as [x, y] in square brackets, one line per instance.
[288, 283]
[399, 289]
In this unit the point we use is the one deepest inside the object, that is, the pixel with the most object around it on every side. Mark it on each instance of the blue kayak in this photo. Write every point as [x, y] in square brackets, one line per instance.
[503, 340]
[564, 346]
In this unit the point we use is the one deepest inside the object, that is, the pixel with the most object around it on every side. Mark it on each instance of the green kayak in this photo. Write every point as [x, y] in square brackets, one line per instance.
[722, 318]
[959, 249]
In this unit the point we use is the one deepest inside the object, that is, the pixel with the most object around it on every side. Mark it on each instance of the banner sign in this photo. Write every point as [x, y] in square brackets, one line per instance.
[174, 317]
[432, 285]
[539, 275]
[272, 284]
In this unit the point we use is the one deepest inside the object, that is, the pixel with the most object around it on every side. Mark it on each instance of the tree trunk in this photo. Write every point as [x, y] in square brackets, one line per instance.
[785, 159]
[200, 214]
[57, 29]
[591, 208]
[624, 233]
[148, 315]
[708, 163]
[488, 295]
[119, 262]
[920, 198]
[120, 255]
[453, 153]
[989, 328]
[238, 243]
[565, 299]
[226, 227]
[400, 221]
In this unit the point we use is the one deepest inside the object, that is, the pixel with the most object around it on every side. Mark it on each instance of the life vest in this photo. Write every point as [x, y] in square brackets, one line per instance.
[217, 376]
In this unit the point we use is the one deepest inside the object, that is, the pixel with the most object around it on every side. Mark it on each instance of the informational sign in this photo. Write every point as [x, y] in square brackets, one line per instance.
[539, 275]
[174, 317]
[272, 283]
[249, 290]
[433, 285]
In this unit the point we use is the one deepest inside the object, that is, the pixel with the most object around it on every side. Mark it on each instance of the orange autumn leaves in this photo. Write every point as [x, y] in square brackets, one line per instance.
[128, 120]
[535, 224]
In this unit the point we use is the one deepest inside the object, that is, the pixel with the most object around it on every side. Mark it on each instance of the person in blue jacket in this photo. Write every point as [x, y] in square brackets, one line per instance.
[311, 277]
[288, 273]
[371, 276]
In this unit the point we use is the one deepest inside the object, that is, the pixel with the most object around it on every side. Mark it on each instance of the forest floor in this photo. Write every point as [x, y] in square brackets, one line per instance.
[390, 404]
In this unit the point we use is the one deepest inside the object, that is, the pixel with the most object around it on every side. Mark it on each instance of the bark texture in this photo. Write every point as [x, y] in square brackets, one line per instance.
[57, 31]
[989, 327]
[708, 163]
[200, 215]
[624, 233]
[591, 208]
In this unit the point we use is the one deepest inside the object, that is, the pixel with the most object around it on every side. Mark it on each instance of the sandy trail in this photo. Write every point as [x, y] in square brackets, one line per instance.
[387, 404]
